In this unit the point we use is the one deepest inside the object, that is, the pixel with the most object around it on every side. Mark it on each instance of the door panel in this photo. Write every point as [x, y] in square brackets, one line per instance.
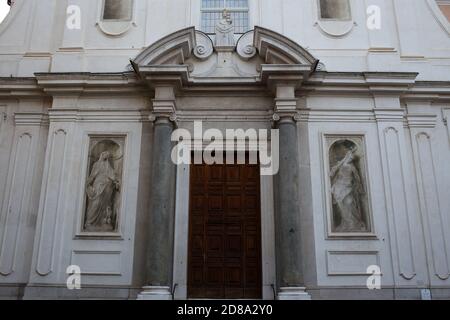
[225, 232]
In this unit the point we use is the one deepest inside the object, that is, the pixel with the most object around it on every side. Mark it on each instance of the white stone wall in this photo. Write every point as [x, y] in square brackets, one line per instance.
[44, 141]
[397, 200]
[414, 35]
[23, 137]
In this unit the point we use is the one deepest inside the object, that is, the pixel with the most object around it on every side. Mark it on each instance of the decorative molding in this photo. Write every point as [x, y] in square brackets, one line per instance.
[76, 84]
[245, 46]
[97, 262]
[275, 48]
[225, 116]
[335, 116]
[205, 47]
[373, 256]
[129, 83]
[115, 28]
[169, 59]
[18, 201]
[430, 203]
[30, 119]
[421, 120]
[13, 88]
[389, 114]
[50, 209]
[104, 115]
[173, 49]
[398, 211]
[334, 28]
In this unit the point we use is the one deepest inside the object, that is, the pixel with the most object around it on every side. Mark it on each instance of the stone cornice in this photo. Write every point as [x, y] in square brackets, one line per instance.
[19, 87]
[173, 75]
[389, 114]
[421, 120]
[320, 83]
[106, 115]
[434, 91]
[68, 84]
[30, 119]
[374, 83]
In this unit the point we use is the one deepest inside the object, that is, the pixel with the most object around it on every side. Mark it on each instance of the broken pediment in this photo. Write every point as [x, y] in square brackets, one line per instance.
[201, 58]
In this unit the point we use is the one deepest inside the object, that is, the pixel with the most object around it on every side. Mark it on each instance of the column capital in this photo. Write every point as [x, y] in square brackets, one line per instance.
[164, 104]
[286, 117]
[285, 102]
[164, 108]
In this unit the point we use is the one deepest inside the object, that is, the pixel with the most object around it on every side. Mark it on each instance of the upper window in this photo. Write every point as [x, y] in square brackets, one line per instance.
[444, 5]
[121, 10]
[335, 9]
[212, 13]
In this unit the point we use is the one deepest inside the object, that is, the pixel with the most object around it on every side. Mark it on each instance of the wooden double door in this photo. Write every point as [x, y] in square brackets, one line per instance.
[225, 232]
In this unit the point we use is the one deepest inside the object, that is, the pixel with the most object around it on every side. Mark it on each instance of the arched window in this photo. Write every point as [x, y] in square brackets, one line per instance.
[211, 12]
[121, 10]
[444, 5]
[335, 9]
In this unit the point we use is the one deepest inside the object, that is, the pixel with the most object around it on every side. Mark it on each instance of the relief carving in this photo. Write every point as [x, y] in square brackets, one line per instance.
[225, 31]
[350, 210]
[103, 185]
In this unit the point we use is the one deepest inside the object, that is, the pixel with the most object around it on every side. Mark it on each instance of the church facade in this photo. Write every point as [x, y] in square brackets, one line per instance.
[225, 149]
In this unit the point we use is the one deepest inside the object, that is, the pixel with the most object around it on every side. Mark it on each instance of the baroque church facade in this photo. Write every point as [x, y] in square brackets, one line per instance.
[349, 100]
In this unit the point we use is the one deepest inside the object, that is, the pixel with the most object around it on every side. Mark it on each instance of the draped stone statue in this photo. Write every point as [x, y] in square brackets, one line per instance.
[225, 31]
[348, 190]
[102, 188]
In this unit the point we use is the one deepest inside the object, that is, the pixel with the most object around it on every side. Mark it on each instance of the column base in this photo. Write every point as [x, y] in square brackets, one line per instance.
[293, 293]
[155, 293]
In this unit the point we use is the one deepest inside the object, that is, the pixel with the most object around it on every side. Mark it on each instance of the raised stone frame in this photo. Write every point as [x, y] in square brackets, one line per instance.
[118, 27]
[335, 28]
[358, 139]
[96, 144]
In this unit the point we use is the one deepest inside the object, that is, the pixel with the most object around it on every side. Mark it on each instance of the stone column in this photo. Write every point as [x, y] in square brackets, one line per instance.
[287, 215]
[162, 197]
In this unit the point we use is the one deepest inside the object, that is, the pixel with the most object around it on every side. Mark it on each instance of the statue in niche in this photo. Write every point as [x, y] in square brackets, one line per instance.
[225, 31]
[103, 187]
[347, 189]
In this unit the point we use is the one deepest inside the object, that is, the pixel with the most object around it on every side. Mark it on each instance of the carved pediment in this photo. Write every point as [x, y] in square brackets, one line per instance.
[201, 58]
[172, 49]
[275, 48]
